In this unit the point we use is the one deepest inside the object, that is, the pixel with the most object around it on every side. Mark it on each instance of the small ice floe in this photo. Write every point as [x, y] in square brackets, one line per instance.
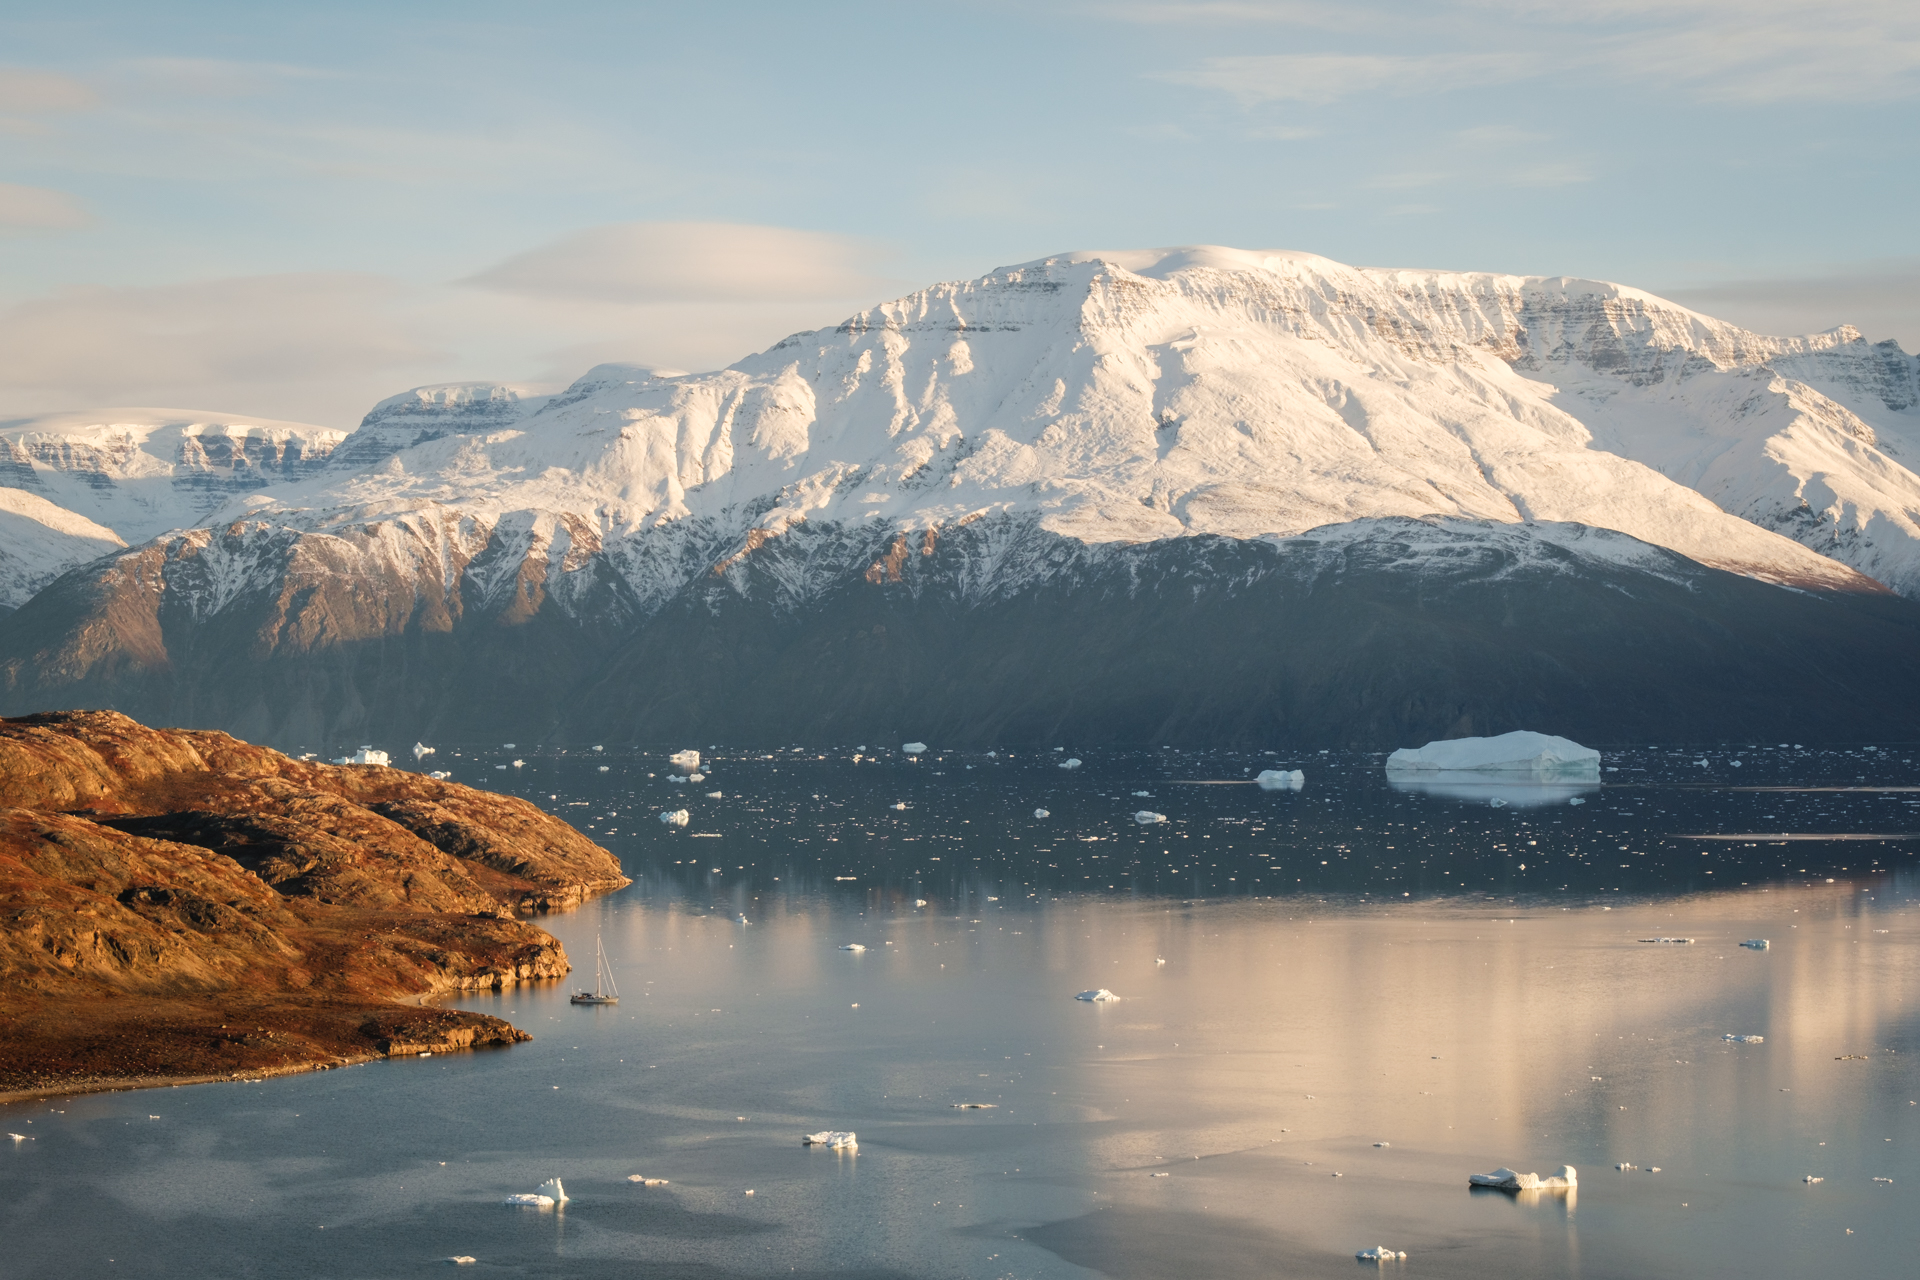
[462, 1259]
[1756, 944]
[1810, 1179]
[696, 777]
[1383, 1144]
[1576, 799]
[1888, 1181]
[913, 748]
[1147, 817]
[1623, 1166]
[1070, 764]
[20, 1137]
[506, 746]
[1497, 803]
[440, 775]
[837, 1139]
[1504, 1179]
[688, 760]
[1379, 1253]
[919, 902]
[900, 804]
[1159, 959]
[675, 817]
[598, 747]
[643, 1180]
[852, 946]
[421, 750]
[1744, 1039]
[1676, 941]
[1281, 779]
[1700, 763]
[1043, 813]
[975, 1106]
[1099, 996]
[1157, 1175]
[715, 795]
[1139, 794]
[606, 768]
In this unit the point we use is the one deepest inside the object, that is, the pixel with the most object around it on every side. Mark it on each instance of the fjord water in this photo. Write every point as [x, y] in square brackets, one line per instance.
[1303, 975]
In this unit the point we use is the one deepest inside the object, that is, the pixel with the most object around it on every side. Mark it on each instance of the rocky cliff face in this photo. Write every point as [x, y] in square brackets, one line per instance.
[199, 884]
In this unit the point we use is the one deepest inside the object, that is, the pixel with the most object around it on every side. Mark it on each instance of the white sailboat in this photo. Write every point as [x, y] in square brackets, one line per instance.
[604, 992]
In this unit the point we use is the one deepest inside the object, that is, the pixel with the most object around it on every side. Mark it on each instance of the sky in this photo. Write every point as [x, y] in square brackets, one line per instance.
[292, 210]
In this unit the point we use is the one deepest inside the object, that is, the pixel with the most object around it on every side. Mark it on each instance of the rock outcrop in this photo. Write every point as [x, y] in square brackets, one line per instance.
[183, 904]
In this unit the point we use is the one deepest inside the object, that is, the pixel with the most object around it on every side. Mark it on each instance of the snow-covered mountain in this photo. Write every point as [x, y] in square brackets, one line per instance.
[141, 472]
[1099, 401]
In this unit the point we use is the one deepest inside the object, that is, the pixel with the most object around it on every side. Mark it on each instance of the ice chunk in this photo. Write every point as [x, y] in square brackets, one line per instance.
[645, 1181]
[20, 1137]
[535, 1202]
[688, 760]
[605, 768]
[1147, 817]
[1521, 751]
[914, 748]
[1577, 800]
[1278, 779]
[836, 1138]
[919, 902]
[1736, 1039]
[421, 749]
[1810, 1179]
[506, 746]
[1043, 813]
[462, 1259]
[852, 946]
[902, 804]
[599, 748]
[715, 795]
[552, 1187]
[440, 775]
[1756, 944]
[696, 777]
[1498, 802]
[1624, 1165]
[519, 764]
[1070, 764]
[1379, 1253]
[1139, 794]
[975, 1106]
[1505, 1179]
[675, 817]
[1100, 996]
[1676, 941]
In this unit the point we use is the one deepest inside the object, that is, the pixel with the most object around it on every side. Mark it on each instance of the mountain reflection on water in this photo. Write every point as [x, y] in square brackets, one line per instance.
[1336, 1004]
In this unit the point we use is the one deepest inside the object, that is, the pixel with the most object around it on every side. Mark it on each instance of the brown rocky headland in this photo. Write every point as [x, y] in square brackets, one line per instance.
[180, 905]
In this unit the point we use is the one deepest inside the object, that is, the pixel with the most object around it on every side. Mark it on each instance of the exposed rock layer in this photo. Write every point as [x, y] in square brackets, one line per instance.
[185, 904]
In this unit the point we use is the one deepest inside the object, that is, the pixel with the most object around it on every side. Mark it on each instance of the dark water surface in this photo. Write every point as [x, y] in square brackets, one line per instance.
[1303, 975]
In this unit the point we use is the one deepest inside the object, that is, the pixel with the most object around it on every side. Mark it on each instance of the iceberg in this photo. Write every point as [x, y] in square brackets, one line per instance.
[1504, 1179]
[914, 748]
[1100, 996]
[365, 755]
[837, 1139]
[688, 760]
[675, 817]
[421, 749]
[1275, 779]
[1379, 1253]
[1147, 817]
[551, 1187]
[1522, 751]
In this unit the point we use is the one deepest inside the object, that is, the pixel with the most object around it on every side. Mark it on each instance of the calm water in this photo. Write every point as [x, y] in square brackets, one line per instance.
[1304, 975]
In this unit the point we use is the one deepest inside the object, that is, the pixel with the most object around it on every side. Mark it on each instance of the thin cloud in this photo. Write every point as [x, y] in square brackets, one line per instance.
[646, 262]
[1322, 78]
[28, 90]
[39, 209]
